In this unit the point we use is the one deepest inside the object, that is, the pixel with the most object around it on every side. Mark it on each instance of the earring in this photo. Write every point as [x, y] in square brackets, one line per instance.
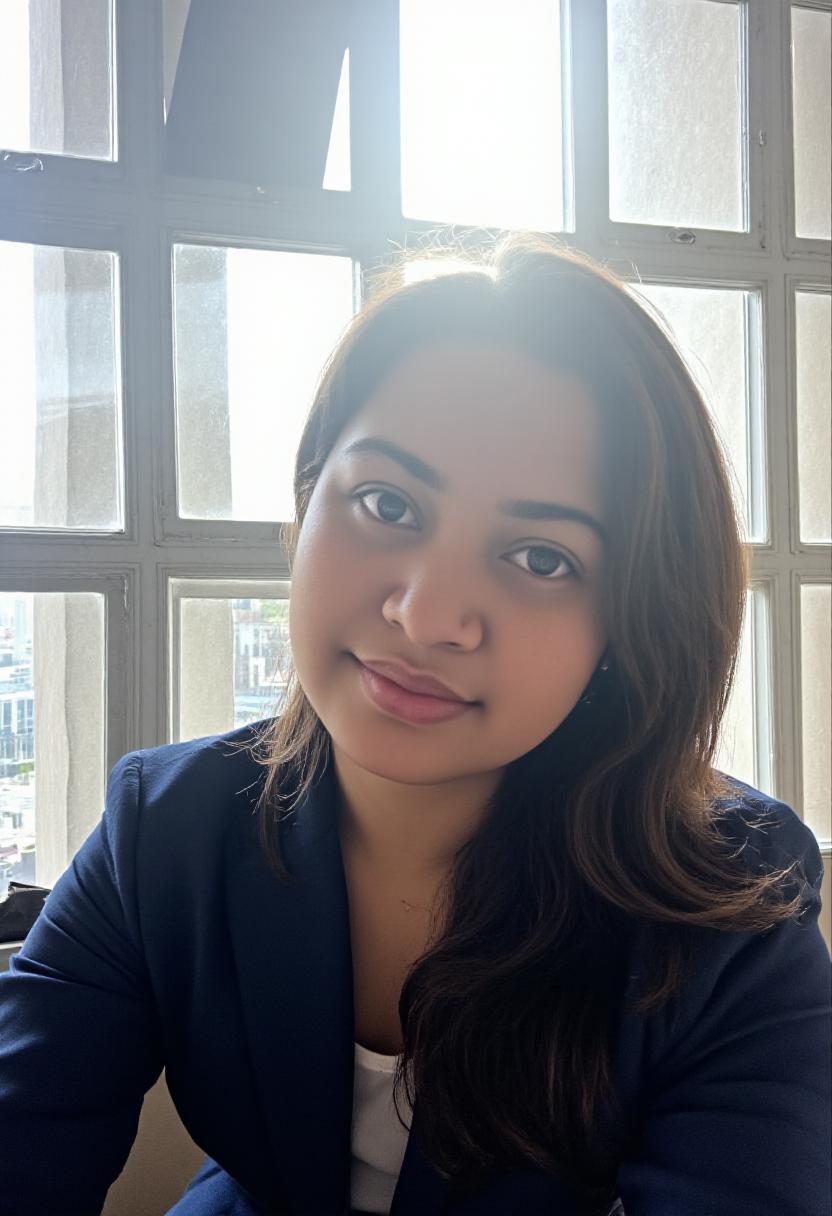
[587, 698]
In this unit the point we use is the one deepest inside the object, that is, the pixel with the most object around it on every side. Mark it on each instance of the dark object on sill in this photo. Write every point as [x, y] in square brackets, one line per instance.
[20, 909]
[254, 91]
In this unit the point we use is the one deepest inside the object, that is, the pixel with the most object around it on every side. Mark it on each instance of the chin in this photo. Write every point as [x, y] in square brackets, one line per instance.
[407, 763]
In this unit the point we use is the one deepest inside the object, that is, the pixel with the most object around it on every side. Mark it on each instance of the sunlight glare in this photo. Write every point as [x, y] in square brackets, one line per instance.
[481, 112]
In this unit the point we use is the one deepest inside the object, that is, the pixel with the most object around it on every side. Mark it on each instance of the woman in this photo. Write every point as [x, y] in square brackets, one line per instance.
[481, 864]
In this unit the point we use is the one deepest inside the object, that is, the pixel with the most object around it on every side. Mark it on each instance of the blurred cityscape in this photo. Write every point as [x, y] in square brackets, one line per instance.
[261, 660]
[17, 742]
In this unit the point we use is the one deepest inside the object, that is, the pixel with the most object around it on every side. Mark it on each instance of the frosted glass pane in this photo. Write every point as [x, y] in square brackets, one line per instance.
[253, 329]
[709, 328]
[56, 77]
[481, 112]
[60, 458]
[813, 312]
[816, 705]
[744, 749]
[812, 104]
[51, 730]
[234, 656]
[675, 113]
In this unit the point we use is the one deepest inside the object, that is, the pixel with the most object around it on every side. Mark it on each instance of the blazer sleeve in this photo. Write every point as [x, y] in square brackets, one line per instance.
[79, 1037]
[737, 1118]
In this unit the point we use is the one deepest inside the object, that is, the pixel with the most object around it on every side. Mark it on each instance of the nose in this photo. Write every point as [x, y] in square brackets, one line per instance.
[434, 608]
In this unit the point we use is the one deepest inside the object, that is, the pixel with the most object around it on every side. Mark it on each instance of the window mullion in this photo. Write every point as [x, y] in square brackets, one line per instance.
[588, 20]
[770, 81]
[759, 72]
[779, 476]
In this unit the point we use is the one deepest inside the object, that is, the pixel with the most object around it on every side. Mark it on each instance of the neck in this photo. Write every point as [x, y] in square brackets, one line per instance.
[408, 833]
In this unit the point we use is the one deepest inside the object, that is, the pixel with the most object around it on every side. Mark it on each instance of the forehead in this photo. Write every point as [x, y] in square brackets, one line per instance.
[490, 417]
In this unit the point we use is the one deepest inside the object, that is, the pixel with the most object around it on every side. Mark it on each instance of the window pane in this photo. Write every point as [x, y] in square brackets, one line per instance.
[52, 743]
[56, 77]
[253, 330]
[745, 739]
[816, 705]
[813, 314]
[714, 331]
[60, 412]
[233, 654]
[481, 114]
[812, 100]
[675, 113]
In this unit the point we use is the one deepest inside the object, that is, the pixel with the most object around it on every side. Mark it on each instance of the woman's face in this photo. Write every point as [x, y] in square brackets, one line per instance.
[426, 543]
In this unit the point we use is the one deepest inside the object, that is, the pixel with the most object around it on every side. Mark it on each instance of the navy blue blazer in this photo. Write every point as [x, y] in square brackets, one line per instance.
[169, 943]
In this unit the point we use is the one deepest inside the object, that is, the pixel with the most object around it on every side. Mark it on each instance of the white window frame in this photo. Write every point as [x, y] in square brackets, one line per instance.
[134, 208]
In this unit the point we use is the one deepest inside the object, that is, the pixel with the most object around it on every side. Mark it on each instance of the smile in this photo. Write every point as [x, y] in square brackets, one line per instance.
[419, 708]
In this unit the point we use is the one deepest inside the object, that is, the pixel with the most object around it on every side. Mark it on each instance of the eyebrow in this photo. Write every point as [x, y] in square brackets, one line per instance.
[517, 508]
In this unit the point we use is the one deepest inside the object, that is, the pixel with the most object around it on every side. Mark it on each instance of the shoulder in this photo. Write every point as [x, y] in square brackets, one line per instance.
[767, 837]
[743, 991]
[192, 785]
[221, 757]
[767, 834]
[725, 1086]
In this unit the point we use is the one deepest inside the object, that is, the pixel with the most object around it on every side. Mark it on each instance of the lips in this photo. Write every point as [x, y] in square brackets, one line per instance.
[415, 708]
[413, 681]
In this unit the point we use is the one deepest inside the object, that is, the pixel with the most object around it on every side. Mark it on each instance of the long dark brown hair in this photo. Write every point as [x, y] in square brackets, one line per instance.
[611, 824]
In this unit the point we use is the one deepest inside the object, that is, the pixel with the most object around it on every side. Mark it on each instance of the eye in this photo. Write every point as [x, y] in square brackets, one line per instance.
[544, 562]
[388, 507]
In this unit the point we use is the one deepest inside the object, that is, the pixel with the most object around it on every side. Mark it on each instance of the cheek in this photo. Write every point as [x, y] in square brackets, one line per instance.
[325, 591]
[309, 591]
[548, 664]
[318, 558]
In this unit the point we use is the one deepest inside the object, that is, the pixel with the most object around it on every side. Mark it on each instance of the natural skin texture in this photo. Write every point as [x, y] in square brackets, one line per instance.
[447, 588]
[446, 583]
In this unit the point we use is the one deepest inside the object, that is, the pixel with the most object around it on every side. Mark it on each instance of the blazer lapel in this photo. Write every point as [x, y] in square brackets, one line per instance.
[292, 947]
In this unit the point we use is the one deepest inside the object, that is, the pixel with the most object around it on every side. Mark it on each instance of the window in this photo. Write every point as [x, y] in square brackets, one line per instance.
[229, 652]
[487, 91]
[56, 78]
[169, 177]
[677, 111]
[252, 329]
[59, 348]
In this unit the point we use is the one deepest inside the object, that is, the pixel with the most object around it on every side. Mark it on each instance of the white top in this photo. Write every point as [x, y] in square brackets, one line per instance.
[378, 1138]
